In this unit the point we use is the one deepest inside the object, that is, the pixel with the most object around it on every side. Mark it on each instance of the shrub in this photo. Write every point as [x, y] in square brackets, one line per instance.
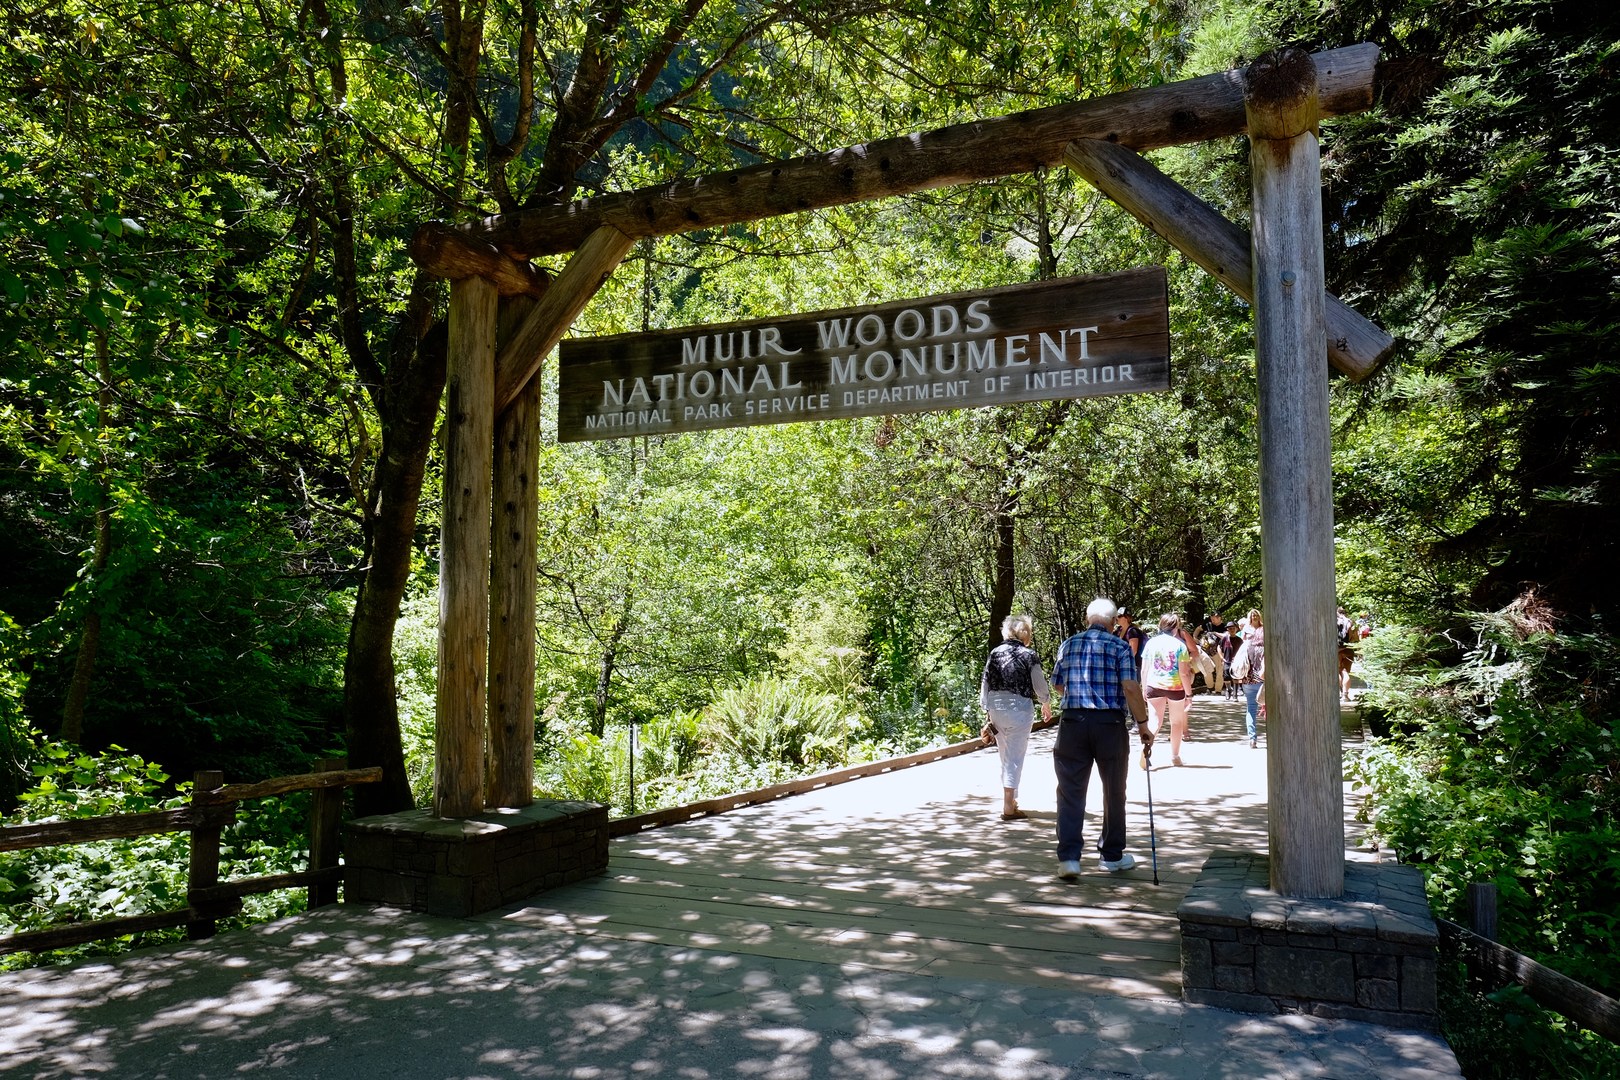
[13, 728]
[1503, 767]
[770, 719]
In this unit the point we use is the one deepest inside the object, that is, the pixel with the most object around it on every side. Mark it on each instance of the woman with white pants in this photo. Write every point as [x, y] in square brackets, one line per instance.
[1012, 682]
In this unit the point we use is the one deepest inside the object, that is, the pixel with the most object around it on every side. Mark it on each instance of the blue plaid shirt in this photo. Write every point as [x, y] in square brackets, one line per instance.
[1090, 668]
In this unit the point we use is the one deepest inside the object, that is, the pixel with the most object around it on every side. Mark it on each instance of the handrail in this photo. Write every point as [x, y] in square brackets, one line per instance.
[675, 815]
[1551, 989]
[213, 806]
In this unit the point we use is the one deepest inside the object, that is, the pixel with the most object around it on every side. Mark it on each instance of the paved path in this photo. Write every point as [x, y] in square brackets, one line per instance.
[869, 930]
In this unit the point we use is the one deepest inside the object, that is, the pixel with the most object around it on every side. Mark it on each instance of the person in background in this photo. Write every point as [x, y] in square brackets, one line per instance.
[1347, 653]
[1011, 685]
[1096, 680]
[1254, 677]
[1227, 645]
[1127, 629]
[1167, 678]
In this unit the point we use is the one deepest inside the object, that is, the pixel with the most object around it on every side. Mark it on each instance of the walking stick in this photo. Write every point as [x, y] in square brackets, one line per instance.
[1153, 837]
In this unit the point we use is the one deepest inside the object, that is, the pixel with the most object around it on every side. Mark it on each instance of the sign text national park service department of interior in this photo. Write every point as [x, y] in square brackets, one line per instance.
[1078, 337]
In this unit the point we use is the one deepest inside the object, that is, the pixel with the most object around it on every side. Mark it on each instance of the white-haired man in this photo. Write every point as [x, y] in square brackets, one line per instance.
[1097, 683]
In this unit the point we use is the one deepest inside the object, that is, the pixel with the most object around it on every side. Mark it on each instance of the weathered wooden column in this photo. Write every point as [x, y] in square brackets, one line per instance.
[510, 768]
[529, 329]
[1304, 769]
[458, 780]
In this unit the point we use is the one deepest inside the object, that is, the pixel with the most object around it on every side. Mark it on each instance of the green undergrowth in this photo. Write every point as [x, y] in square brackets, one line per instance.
[105, 879]
[759, 733]
[1503, 1035]
[1496, 761]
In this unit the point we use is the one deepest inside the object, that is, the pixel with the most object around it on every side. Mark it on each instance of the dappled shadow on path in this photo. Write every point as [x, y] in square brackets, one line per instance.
[892, 927]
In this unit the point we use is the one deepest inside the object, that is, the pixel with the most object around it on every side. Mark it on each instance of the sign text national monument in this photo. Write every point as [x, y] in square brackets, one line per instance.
[1077, 337]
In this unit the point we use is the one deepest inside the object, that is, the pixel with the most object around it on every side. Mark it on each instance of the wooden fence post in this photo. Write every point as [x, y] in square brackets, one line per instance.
[1482, 921]
[1304, 768]
[325, 825]
[208, 820]
[1482, 909]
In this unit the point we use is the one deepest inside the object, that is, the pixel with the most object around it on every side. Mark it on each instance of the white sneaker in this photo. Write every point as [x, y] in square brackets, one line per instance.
[1069, 869]
[1114, 866]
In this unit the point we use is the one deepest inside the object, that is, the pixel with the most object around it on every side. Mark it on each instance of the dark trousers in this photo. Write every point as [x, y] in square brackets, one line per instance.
[1086, 736]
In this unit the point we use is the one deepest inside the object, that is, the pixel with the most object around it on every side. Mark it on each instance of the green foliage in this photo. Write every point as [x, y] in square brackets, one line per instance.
[1506, 1036]
[47, 887]
[1476, 210]
[771, 719]
[416, 674]
[669, 745]
[14, 741]
[1503, 767]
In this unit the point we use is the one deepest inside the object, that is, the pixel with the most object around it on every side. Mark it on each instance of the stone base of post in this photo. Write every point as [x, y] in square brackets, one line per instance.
[1369, 955]
[464, 866]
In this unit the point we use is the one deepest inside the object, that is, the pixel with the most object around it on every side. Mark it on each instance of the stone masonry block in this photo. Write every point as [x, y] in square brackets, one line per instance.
[460, 866]
[1382, 994]
[1371, 966]
[449, 896]
[1197, 964]
[1418, 992]
[1367, 955]
[1305, 973]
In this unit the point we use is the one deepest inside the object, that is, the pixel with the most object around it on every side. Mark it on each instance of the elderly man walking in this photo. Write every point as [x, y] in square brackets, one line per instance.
[1096, 682]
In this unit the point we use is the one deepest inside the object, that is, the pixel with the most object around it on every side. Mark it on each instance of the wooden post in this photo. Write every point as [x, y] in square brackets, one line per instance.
[208, 819]
[458, 781]
[1355, 345]
[523, 354]
[512, 587]
[1296, 479]
[1482, 909]
[325, 825]
[1482, 921]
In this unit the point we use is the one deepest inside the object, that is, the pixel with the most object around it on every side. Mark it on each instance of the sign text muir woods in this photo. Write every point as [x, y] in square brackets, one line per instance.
[1078, 337]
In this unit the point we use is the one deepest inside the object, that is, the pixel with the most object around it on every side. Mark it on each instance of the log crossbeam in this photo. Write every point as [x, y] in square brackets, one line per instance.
[1193, 110]
[1355, 344]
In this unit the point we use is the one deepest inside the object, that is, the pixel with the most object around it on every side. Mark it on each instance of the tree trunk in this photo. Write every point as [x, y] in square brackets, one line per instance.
[84, 665]
[604, 676]
[1006, 583]
[409, 414]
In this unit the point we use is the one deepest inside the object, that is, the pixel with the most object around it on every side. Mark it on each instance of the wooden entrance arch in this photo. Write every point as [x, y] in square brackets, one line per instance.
[505, 317]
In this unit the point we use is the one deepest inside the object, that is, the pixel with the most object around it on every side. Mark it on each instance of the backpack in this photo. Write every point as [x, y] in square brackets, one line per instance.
[1240, 663]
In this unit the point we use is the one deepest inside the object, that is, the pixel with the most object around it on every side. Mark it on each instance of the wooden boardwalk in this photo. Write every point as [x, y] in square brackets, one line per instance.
[890, 927]
[914, 872]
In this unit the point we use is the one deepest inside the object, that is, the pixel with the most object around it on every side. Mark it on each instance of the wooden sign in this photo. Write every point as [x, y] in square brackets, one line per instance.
[1078, 337]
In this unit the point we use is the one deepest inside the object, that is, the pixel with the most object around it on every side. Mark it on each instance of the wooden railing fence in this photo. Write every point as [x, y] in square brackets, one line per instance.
[674, 815]
[1491, 964]
[212, 809]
